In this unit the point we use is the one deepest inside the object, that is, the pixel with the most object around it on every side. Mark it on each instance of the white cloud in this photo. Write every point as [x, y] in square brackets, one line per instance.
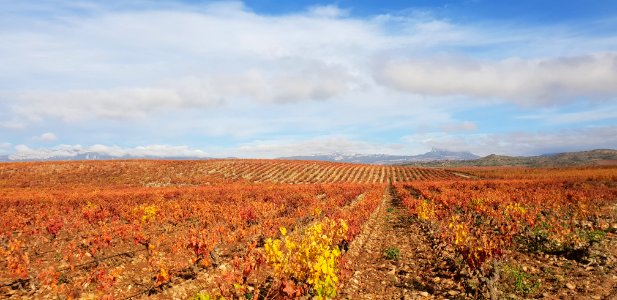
[4, 147]
[128, 63]
[318, 145]
[121, 103]
[47, 137]
[522, 143]
[524, 81]
[316, 83]
[509, 143]
[23, 152]
[328, 11]
[12, 124]
[255, 149]
[553, 118]
[459, 126]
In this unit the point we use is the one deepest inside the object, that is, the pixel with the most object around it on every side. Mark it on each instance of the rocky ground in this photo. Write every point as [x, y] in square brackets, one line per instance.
[397, 257]
[416, 272]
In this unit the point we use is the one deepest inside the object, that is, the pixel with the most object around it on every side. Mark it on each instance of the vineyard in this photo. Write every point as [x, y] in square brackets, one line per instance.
[198, 173]
[268, 229]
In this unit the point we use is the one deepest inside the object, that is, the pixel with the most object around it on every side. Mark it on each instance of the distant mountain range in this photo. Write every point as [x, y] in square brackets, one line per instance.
[91, 156]
[384, 159]
[433, 158]
[434, 154]
[593, 157]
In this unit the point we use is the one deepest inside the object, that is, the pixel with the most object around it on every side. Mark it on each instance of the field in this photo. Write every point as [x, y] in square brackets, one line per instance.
[275, 229]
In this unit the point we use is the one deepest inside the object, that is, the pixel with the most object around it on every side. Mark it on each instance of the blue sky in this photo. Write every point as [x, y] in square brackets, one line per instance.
[279, 78]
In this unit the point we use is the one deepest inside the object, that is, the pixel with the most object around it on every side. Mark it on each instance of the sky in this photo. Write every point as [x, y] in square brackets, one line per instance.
[265, 79]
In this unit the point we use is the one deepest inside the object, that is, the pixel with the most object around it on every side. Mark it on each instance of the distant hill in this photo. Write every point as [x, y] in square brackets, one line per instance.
[383, 159]
[593, 157]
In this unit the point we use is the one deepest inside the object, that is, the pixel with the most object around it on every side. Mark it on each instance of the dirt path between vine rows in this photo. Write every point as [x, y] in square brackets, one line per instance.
[417, 273]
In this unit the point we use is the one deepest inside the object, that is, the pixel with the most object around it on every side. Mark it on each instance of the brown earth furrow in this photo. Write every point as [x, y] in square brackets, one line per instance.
[419, 272]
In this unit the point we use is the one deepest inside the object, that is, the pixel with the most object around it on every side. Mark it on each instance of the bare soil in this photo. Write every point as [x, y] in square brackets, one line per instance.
[426, 269]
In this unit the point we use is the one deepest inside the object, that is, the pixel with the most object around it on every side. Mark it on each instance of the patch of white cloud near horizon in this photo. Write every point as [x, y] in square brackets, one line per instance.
[47, 137]
[558, 118]
[23, 152]
[521, 143]
[13, 124]
[509, 143]
[465, 126]
[5, 147]
[313, 146]
[528, 82]
[255, 149]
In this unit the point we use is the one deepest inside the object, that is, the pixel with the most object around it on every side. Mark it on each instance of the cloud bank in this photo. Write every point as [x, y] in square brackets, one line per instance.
[315, 83]
[523, 81]
[318, 145]
[23, 152]
[507, 143]
[521, 142]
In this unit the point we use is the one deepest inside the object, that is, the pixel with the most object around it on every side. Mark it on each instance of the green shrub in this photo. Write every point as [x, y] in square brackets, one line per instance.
[392, 253]
[524, 283]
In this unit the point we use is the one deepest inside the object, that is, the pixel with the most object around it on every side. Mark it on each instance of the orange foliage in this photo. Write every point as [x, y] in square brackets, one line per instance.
[483, 219]
[77, 228]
